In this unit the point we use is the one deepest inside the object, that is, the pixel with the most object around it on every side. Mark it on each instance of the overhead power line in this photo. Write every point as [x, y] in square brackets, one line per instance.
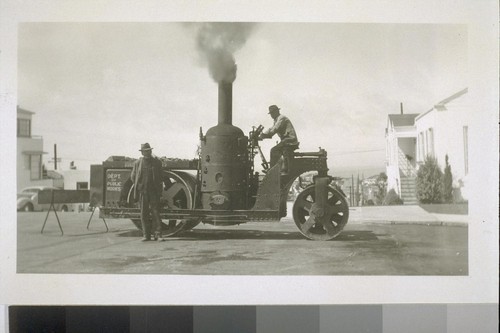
[356, 152]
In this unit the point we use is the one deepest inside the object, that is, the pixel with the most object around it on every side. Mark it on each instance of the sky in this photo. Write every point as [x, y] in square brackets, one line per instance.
[102, 89]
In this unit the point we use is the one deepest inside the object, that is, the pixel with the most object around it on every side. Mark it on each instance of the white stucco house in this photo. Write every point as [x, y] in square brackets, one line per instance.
[29, 153]
[76, 179]
[30, 160]
[440, 131]
[444, 130]
[30, 171]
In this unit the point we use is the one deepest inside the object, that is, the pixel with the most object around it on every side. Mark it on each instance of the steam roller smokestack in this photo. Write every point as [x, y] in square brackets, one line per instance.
[225, 103]
[224, 151]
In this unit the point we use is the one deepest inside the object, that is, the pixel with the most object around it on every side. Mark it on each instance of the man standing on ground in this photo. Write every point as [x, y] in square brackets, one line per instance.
[284, 128]
[148, 187]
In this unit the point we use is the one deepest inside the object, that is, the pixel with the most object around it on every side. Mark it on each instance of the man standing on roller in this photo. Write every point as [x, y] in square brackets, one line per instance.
[148, 187]
[284, 128]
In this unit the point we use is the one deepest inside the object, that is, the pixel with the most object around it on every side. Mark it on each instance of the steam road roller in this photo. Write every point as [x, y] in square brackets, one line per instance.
[220, 186]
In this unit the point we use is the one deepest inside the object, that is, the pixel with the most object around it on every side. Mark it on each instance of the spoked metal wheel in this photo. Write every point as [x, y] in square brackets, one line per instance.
[335, 214]
[177, 194]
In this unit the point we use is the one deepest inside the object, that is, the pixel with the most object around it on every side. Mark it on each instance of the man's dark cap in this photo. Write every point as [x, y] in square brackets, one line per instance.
[145, 146]
[273, 108]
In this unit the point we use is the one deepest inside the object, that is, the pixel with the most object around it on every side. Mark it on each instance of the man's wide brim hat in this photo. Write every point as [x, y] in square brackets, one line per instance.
[273, 108]
[145, 146]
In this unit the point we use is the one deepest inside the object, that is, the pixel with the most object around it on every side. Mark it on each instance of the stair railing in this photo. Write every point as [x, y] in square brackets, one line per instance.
[405, 165]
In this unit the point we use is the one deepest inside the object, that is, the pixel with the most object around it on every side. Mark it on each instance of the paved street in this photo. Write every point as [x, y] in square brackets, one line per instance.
[256, 248]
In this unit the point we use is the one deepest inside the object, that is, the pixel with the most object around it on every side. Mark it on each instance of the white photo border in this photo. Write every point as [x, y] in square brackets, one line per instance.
[481, 286]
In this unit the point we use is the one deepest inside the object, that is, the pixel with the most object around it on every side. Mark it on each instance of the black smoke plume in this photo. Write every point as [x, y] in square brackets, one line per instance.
[217, 43]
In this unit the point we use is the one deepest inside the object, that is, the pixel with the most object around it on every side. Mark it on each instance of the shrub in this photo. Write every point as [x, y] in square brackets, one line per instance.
[429, 181]
[447, 182]
[392, 198]
[381, 187]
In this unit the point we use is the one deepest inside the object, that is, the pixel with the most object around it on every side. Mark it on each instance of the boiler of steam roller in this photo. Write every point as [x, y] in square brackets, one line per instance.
[224, 160]
[220, 187]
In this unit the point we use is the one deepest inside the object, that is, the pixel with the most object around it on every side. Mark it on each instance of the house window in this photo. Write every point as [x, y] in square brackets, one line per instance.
[23, 128]
[35, 167]
[421, 150]
[466, 149]
[430, 142]
[82, 185]
[426, 144]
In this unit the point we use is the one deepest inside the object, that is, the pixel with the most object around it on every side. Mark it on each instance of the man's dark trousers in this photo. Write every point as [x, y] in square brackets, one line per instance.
[150, 204]
[277, 151]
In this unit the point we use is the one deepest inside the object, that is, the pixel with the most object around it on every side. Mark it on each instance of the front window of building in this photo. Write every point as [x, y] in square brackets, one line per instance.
[421, 147]
[82, 185]
[430, 149]
[23, 128]
[35, 167]
[426, 144]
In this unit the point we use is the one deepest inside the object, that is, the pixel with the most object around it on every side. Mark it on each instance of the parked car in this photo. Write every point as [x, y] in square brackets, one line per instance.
[27, 200]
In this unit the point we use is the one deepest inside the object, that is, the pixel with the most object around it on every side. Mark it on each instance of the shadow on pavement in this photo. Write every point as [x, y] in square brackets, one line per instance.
[206, 235]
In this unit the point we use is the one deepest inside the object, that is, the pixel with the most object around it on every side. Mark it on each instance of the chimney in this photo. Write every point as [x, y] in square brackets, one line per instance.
[225, 103]
[401, 106]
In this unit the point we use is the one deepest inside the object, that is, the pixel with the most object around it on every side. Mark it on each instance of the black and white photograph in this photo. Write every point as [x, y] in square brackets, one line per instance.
[243, 148]
[249, 149]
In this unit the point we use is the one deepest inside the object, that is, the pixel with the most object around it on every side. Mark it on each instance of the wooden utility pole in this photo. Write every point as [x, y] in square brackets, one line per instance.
[353, 200]
[55, 156]
[55, 159]
[358, 195]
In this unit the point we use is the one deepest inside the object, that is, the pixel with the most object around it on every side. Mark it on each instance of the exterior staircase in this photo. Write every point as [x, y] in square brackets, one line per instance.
[409, 190]
[408, 178]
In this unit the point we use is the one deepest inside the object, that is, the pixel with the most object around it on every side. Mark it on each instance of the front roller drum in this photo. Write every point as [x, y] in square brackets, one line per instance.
[332, 214]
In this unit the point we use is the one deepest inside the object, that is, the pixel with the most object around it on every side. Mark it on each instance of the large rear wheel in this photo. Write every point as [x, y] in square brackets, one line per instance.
[336, 214]
[177, 194]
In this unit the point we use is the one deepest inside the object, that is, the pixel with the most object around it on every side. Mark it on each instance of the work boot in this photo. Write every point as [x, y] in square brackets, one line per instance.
[146, 236]
[158, 237]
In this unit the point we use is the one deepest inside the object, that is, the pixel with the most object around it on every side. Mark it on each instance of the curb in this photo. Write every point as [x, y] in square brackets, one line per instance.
[426, 223]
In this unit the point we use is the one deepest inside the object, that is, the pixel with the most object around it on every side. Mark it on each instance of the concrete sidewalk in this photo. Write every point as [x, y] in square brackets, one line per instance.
[403, 214]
